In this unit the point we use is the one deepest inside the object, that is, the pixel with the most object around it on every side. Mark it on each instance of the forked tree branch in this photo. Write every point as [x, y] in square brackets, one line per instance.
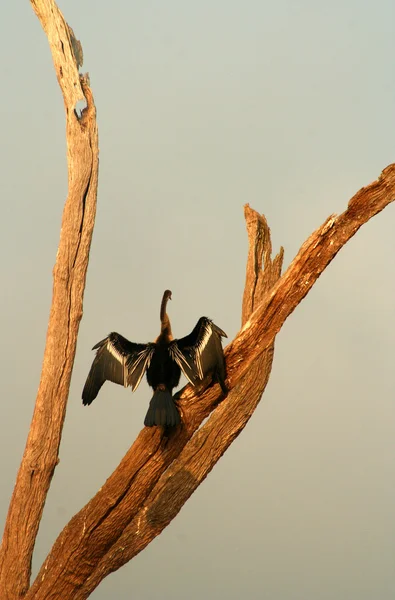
[41, 452]
[158, 474]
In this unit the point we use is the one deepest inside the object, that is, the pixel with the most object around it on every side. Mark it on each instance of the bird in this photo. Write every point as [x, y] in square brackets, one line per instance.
[196, 355]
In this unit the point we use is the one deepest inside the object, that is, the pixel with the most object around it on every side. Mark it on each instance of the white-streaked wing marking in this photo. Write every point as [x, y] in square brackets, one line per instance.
[181, 361]
[145, 355]
[201, 346]
[120, 358]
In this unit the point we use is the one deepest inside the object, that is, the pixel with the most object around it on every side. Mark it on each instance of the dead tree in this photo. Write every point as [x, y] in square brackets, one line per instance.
[157, 475]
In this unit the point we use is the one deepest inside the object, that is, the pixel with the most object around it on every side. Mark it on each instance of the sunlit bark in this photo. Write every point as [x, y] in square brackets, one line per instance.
[158, 474]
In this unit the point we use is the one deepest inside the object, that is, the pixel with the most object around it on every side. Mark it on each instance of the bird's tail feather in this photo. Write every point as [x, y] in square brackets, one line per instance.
[162, 410]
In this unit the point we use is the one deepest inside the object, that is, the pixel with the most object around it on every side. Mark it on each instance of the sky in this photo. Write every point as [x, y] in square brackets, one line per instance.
[203, 107]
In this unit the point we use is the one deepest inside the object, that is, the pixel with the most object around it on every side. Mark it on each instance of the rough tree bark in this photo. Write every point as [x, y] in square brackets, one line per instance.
[41, 452]
[158, 474]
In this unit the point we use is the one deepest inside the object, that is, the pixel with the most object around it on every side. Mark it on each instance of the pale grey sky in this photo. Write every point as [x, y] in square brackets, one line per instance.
[202, 107]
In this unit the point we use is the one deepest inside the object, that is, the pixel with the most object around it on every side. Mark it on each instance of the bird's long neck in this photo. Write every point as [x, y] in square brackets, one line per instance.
[165, 330]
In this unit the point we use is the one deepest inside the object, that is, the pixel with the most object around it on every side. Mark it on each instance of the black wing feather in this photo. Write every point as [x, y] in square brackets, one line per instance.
[201, 353]
[116, 360]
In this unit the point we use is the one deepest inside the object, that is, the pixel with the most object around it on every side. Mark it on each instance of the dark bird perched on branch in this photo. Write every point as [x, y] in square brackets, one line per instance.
[198, 354]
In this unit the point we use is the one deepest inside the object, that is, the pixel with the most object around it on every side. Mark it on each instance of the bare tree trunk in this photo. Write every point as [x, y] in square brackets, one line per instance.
[158, 474]
[41, 452]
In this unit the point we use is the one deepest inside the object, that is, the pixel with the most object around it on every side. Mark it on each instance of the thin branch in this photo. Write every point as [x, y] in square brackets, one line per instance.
[140, 482]
[41, 452]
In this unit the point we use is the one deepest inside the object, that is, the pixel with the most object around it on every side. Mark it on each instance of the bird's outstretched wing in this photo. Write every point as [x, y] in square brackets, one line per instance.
[119, 361]
[201, 353]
